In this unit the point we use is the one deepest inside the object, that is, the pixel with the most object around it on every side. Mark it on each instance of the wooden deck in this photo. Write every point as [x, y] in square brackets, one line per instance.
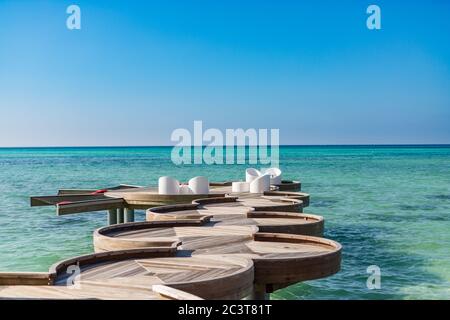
[280, 259]
[133, 274]
[220, 245]
[267, 213]
[70, 201]
[231, 226]
[286, 185]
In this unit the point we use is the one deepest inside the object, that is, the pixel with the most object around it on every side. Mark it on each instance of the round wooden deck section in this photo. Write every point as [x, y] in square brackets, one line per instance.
[236, 211]
[93, 291]
[286, 185]
[272, 194]
[152, 273]
[289, 185]
[279, 259]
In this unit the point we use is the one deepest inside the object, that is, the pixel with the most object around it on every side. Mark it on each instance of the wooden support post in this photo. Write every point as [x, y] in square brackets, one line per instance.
[259, 293]
[112, 216]
[120, 215]
[129, 215]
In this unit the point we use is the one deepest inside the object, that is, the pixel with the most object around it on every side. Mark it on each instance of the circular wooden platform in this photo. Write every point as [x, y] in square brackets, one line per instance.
[93, 291]
[150, 273]
[289, 185]
[274, 192]
[141, 234]
[234, 211]
[169, 234]
[286, 185]
[280, 259]
[285, 222]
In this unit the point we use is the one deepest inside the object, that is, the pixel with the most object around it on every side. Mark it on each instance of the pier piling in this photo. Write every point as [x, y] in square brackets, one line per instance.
[129, 215]
[112, 216]
[120, 215]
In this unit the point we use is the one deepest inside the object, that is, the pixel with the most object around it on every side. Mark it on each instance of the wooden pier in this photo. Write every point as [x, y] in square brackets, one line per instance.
[121, 201]
[215, 246]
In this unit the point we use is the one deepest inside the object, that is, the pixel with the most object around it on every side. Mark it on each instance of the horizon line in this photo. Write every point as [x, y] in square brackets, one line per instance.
[281, 145]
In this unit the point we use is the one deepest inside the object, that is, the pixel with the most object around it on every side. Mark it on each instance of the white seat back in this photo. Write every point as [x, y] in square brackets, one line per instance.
[275, 175]
[260, 184]
[199, 185]
[251, 174]
[168, 185]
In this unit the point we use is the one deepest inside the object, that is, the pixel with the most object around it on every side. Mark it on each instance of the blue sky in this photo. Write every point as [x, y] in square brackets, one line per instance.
[137, 70]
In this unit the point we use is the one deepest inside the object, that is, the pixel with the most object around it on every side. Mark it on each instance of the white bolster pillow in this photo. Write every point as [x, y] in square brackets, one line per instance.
[239, 187]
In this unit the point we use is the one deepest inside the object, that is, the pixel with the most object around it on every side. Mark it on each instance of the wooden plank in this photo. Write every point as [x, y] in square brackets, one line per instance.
[90, 191]
[54, 200]
[208, 277]
[173, 294]
[89, 206]
[25, 278]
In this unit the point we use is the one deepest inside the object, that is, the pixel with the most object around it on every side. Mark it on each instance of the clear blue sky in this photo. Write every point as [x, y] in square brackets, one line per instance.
[139, 69]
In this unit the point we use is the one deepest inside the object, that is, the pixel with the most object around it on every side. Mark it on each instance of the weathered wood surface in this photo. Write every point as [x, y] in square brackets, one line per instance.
[131, 274]
[25, 278]
[228, 226]
[54, 200]
[143, 198]
[286, 185]
[280, 259]
[246, 211]
[102, 204]
[220, 246]
[91, 191]
[289, 185]
[102, 291]
[70, 201]
[231, 277]
[165, 234]
[274, 196]
[172, 293]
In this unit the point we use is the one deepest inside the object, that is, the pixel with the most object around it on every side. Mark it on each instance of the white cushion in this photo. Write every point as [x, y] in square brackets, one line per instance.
[260, 184]
[275, 175]
[185, 189]
[199, 185]
[251, 174]
[168, 185]
[239, 187]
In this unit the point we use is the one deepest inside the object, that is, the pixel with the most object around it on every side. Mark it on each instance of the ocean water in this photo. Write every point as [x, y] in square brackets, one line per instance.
[387, 206]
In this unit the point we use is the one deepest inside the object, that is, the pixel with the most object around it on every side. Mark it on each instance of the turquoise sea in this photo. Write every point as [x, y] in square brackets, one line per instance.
[387, 205]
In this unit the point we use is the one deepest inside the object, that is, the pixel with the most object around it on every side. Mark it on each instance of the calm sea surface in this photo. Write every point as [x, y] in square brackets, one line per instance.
[387, 206]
